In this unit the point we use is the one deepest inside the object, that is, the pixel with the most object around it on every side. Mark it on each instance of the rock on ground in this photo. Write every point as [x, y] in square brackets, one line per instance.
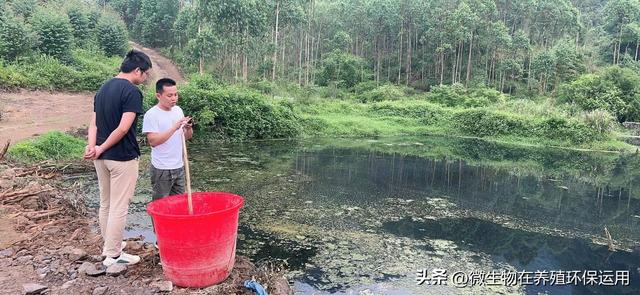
[163, 286]
[100, 290]
[116, 269]
[32, 288]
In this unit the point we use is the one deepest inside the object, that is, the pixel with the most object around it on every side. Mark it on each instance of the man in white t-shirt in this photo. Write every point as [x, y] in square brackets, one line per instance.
[164, 124]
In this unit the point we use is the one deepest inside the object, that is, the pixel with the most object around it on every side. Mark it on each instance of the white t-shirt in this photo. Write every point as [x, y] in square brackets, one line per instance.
[169, 154]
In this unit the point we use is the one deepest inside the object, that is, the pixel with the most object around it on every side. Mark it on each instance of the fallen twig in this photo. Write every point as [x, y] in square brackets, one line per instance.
[17, 196]
[609, 239]
[41, 214]
[4, 149]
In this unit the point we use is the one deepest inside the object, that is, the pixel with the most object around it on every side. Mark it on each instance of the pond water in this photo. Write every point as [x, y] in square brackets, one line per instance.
[353, 216]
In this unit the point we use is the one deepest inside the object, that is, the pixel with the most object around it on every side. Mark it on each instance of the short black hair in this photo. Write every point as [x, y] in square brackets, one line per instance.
[135, 59]
[164, 82]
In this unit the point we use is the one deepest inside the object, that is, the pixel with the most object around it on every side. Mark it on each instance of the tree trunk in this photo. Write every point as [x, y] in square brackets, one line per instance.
[300, 59]
[469, 60]
[619, 45]
[201, 57]
[461, 61]
[441, 67]
[245, 67]
[408, 68]
[400, 56]
[275, 44]
[378, 57]
[529, 75]
[283, 64]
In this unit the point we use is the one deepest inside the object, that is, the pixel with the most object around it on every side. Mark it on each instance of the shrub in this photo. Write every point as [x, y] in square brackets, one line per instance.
[563, 129]
[481, 123]
[11, 78]
[383, 92]
[24, 8]
[615, 90]
[80, 24]
[112, 36]
[46, 72]
[204, 82]
[49, 146]
[93, 68]
[54, 34]
[458, 95]
[343, 69]
[411, 109]
[264, 87]
[14, 37]
[89, 69]
[238, 113]
[601, 121]
[26, 151]
[448, 95]
[365, 86]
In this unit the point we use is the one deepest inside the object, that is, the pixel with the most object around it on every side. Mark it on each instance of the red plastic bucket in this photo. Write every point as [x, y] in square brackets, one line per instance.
[197, 250]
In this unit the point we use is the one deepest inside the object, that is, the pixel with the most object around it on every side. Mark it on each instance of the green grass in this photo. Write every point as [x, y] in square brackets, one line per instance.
[55, 145]
[87, 71]
[520, 122]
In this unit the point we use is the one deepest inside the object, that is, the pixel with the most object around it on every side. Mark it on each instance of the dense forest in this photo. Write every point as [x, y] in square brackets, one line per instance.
[509, 45]
[550, 72]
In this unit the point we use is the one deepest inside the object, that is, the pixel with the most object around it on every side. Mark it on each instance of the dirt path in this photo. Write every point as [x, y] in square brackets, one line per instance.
[162, 66]
[28, 113]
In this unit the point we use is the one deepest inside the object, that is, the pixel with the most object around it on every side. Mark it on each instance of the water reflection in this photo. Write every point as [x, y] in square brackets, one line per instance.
[528, 251]
[345, 214]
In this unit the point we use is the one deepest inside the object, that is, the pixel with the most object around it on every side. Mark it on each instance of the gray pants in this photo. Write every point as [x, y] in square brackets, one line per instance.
[168, 182]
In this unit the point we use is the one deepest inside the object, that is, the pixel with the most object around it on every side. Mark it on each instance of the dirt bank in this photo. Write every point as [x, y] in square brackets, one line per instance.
[27, 113]
[49, 242]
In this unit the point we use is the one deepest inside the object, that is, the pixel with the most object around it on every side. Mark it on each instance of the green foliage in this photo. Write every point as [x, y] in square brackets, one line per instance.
[14, 37]
[482, 123]
[89, 69]
[204, 82]
[11, 77]
[383, 92]
[487, 123]
[54, 33]
[341, 41]
[458, 95]
[238, 113]
[112, 36]
[202, 46]
[615, 89]
[344, 69]
[80, 23]
[566, 130]
[155, 20]
[428, 113]
[24, 8]
[93, 68]
[54, 145]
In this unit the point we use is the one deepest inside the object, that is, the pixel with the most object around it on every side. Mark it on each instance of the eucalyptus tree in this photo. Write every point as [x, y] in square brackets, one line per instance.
[618, 15]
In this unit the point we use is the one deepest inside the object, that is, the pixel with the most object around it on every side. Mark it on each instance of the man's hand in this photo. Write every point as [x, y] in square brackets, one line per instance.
[99, 152]
[181, 123]
[89, 152]
[189, 123]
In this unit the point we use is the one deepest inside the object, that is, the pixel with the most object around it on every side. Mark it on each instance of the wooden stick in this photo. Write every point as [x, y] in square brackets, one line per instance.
[187, 174]
[609, 239]
[4, 149]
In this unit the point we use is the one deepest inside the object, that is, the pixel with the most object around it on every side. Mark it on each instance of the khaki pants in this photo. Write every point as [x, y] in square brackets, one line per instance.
[117, 181]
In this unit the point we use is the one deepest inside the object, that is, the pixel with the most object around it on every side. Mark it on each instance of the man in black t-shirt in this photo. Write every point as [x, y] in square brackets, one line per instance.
[114, 150]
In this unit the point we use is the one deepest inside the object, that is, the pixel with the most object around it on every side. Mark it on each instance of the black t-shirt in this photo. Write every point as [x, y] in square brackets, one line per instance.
[115, 97]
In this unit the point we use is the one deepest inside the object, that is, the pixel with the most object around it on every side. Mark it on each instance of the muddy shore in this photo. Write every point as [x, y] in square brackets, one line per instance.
[49, 242]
